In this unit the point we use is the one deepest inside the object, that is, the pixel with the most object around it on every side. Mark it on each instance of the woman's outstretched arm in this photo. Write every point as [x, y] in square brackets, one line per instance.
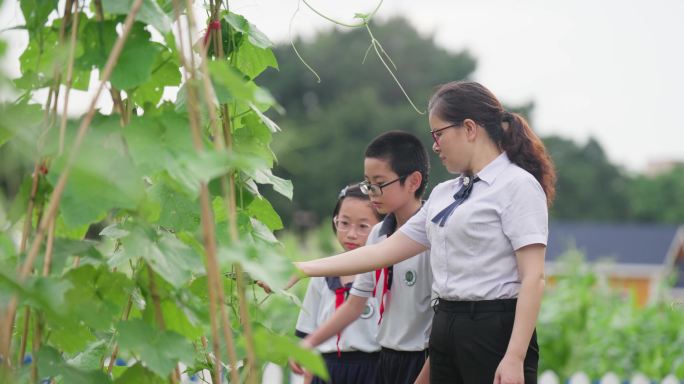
[390, 251]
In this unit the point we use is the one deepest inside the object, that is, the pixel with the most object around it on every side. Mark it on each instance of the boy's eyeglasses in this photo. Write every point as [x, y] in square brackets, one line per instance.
[376, 189]
[343, 225]
[435, 135]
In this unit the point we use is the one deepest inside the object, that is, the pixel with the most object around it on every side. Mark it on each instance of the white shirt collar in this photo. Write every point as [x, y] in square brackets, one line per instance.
[494, 168]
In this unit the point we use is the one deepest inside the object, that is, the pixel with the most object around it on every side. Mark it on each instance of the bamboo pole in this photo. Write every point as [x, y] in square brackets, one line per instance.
[124, 317]
[209, 237]
[223, 141]
[159, 315]
[69, 78]
[209, 95]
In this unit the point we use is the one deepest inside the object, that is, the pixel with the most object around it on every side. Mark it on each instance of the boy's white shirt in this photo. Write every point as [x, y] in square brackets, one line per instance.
[407, 318]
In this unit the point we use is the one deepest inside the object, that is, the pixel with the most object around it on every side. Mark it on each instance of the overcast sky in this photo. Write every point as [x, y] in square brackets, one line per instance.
[611, 69]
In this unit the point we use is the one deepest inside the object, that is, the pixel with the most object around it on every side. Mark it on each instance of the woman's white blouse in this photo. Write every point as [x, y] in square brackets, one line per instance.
[473, 255]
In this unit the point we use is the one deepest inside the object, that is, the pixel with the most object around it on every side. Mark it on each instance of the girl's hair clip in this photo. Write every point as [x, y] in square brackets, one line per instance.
[343, 192]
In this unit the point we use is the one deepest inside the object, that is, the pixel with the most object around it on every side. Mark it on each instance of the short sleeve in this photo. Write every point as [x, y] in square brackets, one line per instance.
[415, 227]
[525, 220]
[307, 321]
[364, 284]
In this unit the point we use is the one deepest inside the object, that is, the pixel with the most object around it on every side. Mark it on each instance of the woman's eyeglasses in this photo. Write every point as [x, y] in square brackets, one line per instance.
[436, 133]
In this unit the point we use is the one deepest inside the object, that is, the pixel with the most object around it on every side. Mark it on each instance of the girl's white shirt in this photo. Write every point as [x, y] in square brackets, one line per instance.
[319, 305]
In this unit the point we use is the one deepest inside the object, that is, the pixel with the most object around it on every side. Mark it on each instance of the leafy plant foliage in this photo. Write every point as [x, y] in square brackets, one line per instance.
[123, 275]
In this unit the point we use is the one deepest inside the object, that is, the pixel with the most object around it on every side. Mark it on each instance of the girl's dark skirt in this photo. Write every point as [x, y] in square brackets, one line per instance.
[350, 368]
[469, 339]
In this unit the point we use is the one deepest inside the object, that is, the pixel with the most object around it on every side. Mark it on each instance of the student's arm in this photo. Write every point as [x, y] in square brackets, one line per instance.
[343, 316]
[390, 251]
[531, 271]
[424, 375]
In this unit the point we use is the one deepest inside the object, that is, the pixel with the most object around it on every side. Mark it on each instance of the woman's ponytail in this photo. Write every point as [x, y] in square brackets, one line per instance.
[525, 149]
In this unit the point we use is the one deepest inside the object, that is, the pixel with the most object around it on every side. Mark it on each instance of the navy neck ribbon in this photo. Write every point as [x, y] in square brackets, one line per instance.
[459, 198]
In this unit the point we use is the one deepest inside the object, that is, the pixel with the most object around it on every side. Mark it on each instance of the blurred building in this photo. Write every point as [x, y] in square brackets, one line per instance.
[634, 257]
[655, 168]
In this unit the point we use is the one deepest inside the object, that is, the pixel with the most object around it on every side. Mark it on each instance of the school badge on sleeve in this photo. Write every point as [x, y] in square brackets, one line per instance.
[367, 311]
[410, 277]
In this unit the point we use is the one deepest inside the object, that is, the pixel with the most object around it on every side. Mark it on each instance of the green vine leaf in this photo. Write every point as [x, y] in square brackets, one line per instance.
[90, 357]
[159, 350]
[150, 13]
[253, 60]
[97, 39]
[279, 349]
[254, 138]
[262, 210]
[8, 251]
[229, 84]
[72, 233]
[51, 364]
[98, 295]
[173, 260]
[165, 73]
[181, 319]
[22, 123]
[266, 176]
[42, 293]
[262, 262]
[254, 35]
[69, 335]
[262, 232]
[138, 374]
[155, 142]
[272, 126]
[40, 57]
[102, 178]
[189, 170]
[137, 59]
[176, 210]
[63, 249]
[36, 13]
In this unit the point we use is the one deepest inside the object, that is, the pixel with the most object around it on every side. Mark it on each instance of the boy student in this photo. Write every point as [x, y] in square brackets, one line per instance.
[396, 174]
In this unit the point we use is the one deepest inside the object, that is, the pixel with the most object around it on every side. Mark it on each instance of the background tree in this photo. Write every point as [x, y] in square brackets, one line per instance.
[589, 186]
[328, 125]
[658, 198]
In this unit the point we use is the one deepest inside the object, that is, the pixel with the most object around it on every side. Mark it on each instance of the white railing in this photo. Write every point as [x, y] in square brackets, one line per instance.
[274, 374]
[549, 377]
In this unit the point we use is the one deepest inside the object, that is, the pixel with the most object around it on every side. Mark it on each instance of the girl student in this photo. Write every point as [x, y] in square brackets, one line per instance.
[487, 231]
[351, 356]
